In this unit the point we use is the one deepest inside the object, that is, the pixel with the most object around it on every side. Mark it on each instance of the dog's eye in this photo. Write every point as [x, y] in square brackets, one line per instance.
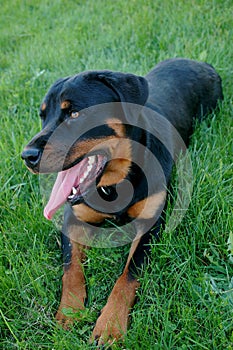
[74, 114]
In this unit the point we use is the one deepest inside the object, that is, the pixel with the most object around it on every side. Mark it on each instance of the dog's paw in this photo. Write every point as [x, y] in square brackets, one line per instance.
[110, 327]
[67, 316]
[64, 318]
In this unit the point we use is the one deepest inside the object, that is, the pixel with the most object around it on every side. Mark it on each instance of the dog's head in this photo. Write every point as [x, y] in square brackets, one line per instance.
[83, 135]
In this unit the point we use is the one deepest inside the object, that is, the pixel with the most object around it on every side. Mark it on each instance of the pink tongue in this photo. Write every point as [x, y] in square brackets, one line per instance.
[62, 188]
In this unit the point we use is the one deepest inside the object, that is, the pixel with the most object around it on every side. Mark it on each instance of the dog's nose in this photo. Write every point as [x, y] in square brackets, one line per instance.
[31, 156]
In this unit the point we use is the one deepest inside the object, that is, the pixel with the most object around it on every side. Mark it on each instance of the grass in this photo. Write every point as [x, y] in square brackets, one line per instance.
[186, 298]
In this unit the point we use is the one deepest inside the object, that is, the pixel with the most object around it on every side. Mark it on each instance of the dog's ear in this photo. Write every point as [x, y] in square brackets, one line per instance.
[129, 87]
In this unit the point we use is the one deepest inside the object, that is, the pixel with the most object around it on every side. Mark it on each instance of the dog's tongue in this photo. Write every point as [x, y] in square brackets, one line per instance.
[61, 189]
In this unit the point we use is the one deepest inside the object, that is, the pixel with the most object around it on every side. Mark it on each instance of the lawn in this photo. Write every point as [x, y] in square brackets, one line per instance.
[186, 295]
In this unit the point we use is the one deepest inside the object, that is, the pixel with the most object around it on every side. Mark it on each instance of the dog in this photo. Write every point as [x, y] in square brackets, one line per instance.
[108, 126]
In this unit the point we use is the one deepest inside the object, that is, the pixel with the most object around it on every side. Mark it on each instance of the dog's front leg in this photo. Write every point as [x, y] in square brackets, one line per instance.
[113, 321]
[73, 282]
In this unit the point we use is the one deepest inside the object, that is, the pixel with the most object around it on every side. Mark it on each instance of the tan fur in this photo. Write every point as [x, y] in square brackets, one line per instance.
[115, 172]
[120, 155]
[117, 126]
[43, 106]
[148, 207]
[87, 214]
[73, 286]
[81, 148]
[113, 321]
[119, 166]
[65, 104]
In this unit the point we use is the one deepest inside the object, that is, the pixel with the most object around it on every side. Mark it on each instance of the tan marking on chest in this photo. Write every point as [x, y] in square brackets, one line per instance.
[148, 207]
[87, 214]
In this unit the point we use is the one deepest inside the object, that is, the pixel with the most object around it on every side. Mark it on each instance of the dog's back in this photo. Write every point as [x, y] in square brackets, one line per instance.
[183, 89]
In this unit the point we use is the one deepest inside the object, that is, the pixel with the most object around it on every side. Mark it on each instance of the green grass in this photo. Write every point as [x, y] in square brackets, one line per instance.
[186, 298]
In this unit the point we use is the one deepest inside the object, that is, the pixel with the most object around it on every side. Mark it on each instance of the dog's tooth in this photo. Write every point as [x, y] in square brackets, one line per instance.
[104, 190]
[91, 160]
[89, 168]
[71, 196]
[85, 174]
[81, 180]
[74, 190]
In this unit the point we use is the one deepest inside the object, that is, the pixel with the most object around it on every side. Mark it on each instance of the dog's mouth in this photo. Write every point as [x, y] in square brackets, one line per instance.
[73, 183]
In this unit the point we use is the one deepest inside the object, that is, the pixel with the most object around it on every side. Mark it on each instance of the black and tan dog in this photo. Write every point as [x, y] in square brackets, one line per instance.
[95, 150]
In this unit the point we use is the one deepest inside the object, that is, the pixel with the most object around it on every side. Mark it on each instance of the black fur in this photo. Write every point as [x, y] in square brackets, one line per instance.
[180, 90]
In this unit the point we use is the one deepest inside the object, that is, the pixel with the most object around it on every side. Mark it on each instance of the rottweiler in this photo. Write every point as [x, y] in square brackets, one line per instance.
[101, 131]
